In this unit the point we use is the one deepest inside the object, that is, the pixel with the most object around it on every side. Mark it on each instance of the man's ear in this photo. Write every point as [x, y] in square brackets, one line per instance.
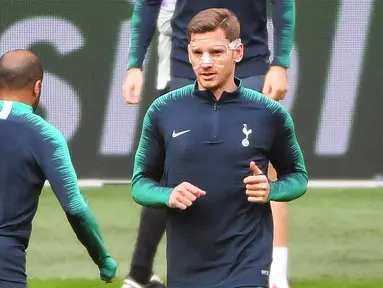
[37, 88]
[238, 53]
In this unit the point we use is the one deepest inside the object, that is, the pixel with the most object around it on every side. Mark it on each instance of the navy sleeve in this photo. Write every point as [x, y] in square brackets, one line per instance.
[149, 163]
[284, 30]
[144, 21]
[55, 162]
[287, 158]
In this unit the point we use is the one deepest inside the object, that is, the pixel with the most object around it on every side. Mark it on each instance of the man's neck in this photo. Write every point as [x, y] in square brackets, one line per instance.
[10, 96]
[230, 86]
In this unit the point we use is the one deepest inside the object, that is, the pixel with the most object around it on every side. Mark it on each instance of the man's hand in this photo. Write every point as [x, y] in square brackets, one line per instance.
[257, 185]
[184, 195]
[132, 87]
[108, 268]
[275, 86]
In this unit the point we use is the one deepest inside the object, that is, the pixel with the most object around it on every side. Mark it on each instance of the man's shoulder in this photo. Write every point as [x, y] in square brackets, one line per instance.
[173, 97]
[177, 94]
[40, 127]
[262, 101]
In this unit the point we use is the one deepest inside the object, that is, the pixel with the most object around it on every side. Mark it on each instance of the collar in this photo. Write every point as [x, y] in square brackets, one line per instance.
[226, 96]
[17, 106]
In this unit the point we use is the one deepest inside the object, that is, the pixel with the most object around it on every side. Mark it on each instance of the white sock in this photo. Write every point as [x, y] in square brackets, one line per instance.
[280, 262]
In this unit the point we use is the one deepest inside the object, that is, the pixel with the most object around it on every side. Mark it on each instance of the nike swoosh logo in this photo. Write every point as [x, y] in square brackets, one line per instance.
[176, 134]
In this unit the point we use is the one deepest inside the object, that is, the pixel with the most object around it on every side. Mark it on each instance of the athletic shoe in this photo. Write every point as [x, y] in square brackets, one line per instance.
[155, 282]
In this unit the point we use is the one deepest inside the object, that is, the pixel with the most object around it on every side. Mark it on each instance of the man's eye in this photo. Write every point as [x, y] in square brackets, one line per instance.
[217, 52]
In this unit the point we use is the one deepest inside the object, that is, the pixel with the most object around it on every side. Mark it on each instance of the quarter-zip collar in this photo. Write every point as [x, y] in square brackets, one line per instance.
[226, 96]
[16, 106]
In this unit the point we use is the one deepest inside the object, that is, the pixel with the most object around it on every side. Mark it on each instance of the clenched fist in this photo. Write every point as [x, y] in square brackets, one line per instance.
[184, 195]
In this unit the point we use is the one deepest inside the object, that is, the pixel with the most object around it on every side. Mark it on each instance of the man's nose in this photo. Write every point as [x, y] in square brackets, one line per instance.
[206, 64]
[206, 58]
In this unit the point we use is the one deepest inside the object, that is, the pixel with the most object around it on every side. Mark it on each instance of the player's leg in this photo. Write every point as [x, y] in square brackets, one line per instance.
[278, 271]
[150, 232]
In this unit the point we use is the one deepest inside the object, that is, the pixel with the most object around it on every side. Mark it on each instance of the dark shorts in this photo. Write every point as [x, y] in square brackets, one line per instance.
[5, 284]
[252, 82]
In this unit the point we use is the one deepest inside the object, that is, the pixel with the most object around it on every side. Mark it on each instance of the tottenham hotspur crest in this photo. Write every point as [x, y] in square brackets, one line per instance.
[247, 132]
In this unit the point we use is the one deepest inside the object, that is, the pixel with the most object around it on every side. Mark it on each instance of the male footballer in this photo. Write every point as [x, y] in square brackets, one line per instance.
[212, 142]
[254, 70]
[31, 152]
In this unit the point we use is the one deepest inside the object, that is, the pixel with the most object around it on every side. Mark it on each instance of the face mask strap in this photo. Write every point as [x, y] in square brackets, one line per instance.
[235, 44]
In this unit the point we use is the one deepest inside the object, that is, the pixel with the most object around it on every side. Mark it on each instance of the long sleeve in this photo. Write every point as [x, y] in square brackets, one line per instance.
[55, 162]
[144, 20]
[149, 164]
[287, 159]
[284, 30]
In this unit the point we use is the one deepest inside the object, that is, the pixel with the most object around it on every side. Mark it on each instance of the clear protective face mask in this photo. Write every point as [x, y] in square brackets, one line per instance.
[210, 51]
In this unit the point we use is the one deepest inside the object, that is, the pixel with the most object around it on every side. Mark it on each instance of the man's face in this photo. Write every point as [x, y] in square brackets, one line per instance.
[213, 58]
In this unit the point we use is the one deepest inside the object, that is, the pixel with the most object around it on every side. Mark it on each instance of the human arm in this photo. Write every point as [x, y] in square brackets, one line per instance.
[287, 159]
[284, 30]
[149, 164]
[144, 19]
[55, 162]
[276, 82]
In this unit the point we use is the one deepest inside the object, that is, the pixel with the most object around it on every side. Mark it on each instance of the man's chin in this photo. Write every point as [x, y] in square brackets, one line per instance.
[208, 84]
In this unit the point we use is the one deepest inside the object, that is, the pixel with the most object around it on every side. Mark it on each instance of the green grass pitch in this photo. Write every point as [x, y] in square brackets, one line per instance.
[336, 240]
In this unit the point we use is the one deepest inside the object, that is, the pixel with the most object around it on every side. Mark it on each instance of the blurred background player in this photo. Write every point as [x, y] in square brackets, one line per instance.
[206, 137]
[31, 152]
[255, 70]
[153, 220]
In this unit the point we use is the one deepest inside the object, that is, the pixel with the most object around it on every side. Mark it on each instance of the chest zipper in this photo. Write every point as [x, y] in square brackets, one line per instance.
[215, 121]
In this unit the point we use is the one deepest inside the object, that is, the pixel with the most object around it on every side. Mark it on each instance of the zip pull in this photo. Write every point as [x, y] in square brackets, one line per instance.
[215, 106]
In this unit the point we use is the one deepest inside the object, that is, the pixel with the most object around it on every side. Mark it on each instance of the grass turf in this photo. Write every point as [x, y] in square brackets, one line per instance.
[335, 236]
[295, 284]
